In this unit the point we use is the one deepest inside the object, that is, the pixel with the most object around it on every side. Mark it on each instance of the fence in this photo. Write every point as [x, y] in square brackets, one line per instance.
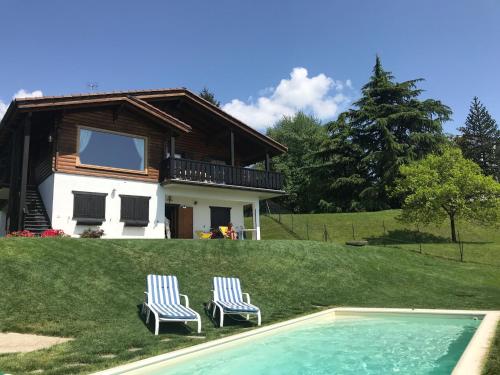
[384, 233]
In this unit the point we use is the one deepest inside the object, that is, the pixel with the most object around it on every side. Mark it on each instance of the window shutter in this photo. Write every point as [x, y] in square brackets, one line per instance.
[89, 208]
[134, 210]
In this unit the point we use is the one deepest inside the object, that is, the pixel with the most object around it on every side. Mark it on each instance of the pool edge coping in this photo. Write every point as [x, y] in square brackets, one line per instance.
[471, 361]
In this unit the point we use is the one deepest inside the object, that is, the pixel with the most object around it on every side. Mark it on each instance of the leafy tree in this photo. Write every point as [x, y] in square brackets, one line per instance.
[303, 134]
[209, 97]
[480, 139]
[448, 186]
[387, 127]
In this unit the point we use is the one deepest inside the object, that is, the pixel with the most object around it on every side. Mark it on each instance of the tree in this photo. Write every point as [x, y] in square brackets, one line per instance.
[448, 186]
[209, 97]
[338, 171]
[302, 134]
[390, 126]
[480, 139]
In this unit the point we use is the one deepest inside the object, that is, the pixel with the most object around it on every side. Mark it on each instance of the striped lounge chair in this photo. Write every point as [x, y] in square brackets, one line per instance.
[228, 298]
[163, 300]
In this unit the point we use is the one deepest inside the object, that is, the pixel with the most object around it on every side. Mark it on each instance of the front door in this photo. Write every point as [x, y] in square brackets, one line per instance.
[185, 226]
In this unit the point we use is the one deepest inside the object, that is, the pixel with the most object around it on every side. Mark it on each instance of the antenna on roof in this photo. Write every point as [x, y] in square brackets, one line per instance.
[93, 86]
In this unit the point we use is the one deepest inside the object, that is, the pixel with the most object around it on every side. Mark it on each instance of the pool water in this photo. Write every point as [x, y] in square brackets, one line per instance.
[369, 344]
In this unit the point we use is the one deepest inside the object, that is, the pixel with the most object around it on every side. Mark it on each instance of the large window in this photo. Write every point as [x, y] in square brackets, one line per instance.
[112, 150]
[89, 208]
[134, 210]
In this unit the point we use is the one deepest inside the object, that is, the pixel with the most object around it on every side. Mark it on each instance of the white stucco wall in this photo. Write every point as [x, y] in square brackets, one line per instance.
[4, 194]
[46, 189]
[62, 205]
[3, 216]
[201, 211]
[205, 197]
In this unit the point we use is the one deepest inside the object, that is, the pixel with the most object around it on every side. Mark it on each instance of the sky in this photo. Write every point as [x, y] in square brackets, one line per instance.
[262, 59]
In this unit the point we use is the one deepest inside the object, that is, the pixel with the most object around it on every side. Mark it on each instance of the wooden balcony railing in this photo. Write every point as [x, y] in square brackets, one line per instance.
[203, 172]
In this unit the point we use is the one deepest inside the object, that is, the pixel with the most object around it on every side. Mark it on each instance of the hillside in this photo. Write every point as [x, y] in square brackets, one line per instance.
[481, 244]
[91, 290]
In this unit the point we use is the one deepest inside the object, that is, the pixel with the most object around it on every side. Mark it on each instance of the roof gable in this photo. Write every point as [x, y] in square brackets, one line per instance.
[142, 101]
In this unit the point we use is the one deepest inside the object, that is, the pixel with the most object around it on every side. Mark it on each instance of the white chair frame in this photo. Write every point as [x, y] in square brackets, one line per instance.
[148, 309]
[214, 304]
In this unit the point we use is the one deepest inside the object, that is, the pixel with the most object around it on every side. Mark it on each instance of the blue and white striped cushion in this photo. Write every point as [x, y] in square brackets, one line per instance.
[163, 296]
[173, 311]
[242, 307]
[228, 289]
[228, 294]
[163, 290]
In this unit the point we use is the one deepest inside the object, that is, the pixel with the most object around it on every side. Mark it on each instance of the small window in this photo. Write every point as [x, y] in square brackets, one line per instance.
[89, 208]
[112, 150]
[219, 216]
[134, 210]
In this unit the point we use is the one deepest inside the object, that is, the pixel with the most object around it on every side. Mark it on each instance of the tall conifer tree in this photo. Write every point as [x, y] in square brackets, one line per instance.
[209, 96]
[480, 139]
[387, 127]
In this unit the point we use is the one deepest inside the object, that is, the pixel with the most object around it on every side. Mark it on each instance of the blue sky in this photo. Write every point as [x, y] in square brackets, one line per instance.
[261, 58]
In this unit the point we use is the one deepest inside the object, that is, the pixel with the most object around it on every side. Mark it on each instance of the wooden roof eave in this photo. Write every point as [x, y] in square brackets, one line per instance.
[217, 111]
[156, 115]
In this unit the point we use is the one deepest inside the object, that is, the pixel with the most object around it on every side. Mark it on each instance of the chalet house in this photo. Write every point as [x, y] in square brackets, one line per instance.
[130, 162]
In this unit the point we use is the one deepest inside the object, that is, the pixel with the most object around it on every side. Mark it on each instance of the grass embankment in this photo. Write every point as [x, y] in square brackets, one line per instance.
[91, 290]
[481, 244]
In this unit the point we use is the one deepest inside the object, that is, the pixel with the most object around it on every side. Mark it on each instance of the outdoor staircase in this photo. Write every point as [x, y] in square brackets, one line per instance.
[36, 219]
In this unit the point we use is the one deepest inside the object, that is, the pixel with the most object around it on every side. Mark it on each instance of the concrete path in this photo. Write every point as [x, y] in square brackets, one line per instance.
[22, 343]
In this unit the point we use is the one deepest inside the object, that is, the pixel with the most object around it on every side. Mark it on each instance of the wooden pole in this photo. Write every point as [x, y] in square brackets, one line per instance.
[460, 247]
[268, 162]
[172, 157]
[353, 236]
[13, 181]
[232, 149]
[24, 170]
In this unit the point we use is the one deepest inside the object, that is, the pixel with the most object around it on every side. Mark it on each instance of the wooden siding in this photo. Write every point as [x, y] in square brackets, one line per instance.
[201, 146]
[126, 122]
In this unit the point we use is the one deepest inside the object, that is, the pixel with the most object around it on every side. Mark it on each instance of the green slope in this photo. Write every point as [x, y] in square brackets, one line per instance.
[91, 290]
[481, 244]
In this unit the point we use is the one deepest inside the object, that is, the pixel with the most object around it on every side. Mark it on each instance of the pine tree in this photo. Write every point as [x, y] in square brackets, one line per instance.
[388, 126]
[480, 139]
[209, 97]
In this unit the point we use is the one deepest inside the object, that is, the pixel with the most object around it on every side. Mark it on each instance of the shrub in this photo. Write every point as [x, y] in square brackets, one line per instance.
[21, 233]
[53, 233]
[92, 233]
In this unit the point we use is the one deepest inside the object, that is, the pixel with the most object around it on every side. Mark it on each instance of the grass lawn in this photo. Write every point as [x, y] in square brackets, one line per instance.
[91, 290]
[481, 244]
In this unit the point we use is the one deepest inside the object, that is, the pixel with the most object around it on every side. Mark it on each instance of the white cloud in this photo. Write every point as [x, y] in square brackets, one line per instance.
[3, 109]
[26, 94]
[298, 93]
[20, 94]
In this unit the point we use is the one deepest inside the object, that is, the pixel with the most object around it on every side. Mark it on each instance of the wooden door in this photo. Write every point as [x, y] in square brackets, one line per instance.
[185, 226]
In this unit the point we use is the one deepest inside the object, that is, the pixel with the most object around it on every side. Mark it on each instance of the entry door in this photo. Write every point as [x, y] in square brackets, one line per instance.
[185, 227]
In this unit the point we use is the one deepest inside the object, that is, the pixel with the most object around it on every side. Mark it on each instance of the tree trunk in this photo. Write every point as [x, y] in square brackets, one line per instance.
[453, 230]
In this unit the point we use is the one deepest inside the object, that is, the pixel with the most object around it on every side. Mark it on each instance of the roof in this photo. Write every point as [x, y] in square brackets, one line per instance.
[140, 100]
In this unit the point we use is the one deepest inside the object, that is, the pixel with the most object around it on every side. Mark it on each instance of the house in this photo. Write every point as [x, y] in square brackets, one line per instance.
[130, 162]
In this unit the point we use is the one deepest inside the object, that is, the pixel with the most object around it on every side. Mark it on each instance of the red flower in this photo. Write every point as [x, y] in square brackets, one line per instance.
[21, 233]
[53, 233]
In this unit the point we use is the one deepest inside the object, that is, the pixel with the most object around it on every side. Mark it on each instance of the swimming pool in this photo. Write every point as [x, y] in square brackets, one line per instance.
[335, 342]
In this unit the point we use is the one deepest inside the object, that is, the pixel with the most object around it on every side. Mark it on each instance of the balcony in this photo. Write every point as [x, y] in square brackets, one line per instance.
[200, 172]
